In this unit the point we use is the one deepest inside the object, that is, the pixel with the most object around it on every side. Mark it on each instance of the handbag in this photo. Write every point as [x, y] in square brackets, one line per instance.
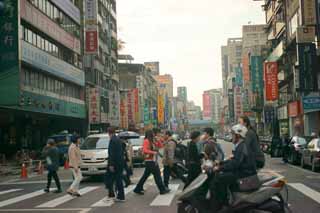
[248, 184]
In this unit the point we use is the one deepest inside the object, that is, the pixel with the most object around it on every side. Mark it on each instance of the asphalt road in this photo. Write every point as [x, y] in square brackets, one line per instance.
[27, 195]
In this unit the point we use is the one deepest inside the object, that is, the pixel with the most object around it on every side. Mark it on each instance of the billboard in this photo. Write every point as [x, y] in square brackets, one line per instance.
[206, 99]
[271, 81]
[91, 27]
[160, 109]
[94, 106]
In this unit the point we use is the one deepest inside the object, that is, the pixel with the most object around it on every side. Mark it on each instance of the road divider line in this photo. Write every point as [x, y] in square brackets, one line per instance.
[81, 210]
[9, 191]
[106, 202]
[166, 199]
[21, 198]
[314, 195]
[33, 182]
[61, 200]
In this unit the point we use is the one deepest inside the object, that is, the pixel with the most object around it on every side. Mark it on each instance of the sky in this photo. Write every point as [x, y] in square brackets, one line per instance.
[185, 36]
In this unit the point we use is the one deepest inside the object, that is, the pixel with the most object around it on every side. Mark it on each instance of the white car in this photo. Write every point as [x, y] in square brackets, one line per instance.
[94, 154]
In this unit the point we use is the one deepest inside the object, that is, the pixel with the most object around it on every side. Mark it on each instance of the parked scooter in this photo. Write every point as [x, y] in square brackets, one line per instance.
[267, 198]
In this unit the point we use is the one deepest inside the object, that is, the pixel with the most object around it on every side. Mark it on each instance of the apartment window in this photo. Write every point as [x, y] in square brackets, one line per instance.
[29, 38]
[294, 23]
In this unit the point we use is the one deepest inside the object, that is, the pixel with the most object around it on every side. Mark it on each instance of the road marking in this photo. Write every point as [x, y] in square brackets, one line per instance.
[21, 198]
[314, 195]
[105, 202]
[303, 170]
[33, 182]
[58, 201]
[166, 199]
[81, 210]
[9, 191]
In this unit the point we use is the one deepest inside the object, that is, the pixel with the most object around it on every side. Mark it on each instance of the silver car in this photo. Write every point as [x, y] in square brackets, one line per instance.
[94, 154]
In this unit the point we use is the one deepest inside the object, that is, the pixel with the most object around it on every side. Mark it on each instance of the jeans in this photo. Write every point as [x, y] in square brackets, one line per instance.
[166, 175]
[151, 168]
[77, 179]
[53, 174]
[116, 177]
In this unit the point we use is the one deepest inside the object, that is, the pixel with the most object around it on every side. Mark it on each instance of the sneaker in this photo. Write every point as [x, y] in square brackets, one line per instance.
[138, 192]
[77, 194]
[57, 191]
[165, 191]
[120, 200]
[46, 190]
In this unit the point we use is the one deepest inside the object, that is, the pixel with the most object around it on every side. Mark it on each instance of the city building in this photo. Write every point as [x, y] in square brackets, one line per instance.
[154, 67]
[100, 64]
[193, 111]
[139, 92]
[183, 94]
[165, 83]
[42, 83]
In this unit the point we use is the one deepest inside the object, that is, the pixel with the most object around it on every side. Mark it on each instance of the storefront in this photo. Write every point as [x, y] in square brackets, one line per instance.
[311, 109]
[283, 120]
[296, 124]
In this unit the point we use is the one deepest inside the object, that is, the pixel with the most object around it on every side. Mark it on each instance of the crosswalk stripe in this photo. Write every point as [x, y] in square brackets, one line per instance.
[105, 202]
[166, 199]
[314, 195]
[58, 201]
[9, 191]
[21, 198]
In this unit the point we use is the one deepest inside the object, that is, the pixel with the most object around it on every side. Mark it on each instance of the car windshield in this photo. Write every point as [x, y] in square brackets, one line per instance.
[136, 141]
[95, 143]
[301, 141]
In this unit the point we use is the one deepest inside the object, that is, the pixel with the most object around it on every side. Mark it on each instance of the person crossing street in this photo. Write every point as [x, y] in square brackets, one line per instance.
[168, 157]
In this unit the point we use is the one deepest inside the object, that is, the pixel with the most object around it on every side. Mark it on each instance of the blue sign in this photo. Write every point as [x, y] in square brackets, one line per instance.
[238, 71]
[69, 8]
[51, 64]
[311, 104]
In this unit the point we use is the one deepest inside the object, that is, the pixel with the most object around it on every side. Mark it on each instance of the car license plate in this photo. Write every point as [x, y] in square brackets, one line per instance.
[92, 169]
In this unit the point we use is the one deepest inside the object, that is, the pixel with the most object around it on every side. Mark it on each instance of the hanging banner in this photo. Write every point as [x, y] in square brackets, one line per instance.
[256, 74]
[271, 81]
[130, 107]
[94, 106]
[160, 109]
[206, 106]
[239, 77]
[135, 93]
[245, 69]
[91, 27]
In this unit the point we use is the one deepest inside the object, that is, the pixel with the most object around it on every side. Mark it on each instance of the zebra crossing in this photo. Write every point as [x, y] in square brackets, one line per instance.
[102, 200]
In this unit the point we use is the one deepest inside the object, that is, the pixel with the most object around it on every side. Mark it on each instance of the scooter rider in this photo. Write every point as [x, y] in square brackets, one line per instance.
[239, 166]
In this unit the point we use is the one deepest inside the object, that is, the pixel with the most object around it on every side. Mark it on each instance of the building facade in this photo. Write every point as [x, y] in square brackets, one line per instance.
[42, 83]
[154, 67]
[183, 93]
[100, 63]
[212, 105]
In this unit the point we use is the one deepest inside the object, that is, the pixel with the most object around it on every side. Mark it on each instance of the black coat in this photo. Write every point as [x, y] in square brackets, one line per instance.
[52, 156]
[193, 154]
[253, 144]
[242, 164]
[115, 152]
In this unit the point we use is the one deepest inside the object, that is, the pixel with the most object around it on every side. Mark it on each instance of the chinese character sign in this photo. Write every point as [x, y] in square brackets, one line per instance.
[271, 80]
[94, 106]
[9, 35]
[160, 109]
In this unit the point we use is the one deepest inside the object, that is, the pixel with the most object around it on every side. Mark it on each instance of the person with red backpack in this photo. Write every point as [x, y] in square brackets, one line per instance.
[151, 165]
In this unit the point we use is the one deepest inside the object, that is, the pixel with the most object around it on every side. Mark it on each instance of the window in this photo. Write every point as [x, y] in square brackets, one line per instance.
[40, 4]
[30, 36]
[34, 39]
[39, 41]
[293, 23]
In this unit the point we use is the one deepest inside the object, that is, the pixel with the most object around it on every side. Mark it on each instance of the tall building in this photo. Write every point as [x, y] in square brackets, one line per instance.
[42, 82]
[100, 64]
[183, 94]
[154, 67]
[212, 105]
[193, 111]
[165, 83]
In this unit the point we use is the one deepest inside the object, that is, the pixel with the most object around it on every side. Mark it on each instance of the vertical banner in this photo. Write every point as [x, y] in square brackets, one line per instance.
[237, 102]
[130, 107]
[94, 106]
[239, 77]
[256, 74]
[206, 106]
[91, 27]
[160, 109]
[271, 81]
[146, 116]
[245, 69]
[135, 92]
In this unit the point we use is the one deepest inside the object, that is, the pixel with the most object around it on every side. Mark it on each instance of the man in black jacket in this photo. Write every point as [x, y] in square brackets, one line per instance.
[253, 143]
[241, 165]
[115, 166]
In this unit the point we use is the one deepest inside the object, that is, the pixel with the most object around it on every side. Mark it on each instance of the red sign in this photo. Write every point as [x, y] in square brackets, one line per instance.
[206, 99]
[130, 113]
[245, 69]
[135, 92]
[91, 41]
[237, 102]
[294, 109]
[271, 81]
[36, 18]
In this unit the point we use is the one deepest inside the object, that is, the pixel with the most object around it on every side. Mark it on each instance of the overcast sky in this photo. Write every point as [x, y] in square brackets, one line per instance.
[185, 36]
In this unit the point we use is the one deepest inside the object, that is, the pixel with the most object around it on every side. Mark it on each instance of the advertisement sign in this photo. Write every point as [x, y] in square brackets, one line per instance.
[206, 106]
[94, 106]
[91, 11]
[91, 41]
[68, 8]
[307, 59]
[309, 16]
[36, 18]
[237, 102]
[91, 27]
[146, 116]
[123, 112]
[306, 34]
[51, 64]
[160, 109]
[271, 81]
[269, 115]
[283, 112]
[130, 107]
[239, 80]
[294, 109]
[311, 104]
[135, 93]
[256, 74]
[113, 115]
[245, 69]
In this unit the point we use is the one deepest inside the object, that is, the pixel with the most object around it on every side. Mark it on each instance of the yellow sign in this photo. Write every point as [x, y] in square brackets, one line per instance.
[160, 109]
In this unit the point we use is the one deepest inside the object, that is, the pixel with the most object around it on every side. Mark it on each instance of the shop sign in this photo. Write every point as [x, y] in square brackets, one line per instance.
[309, 16]
[256, 73]
[69, 8]
[206, 106]
[294, 109]
[269, 115]
[271, 80]
[91, 41]
[91, 27]
[94, 106]
[123, 112]
[237, 102]
[306, 34]
[245, 69]
[130, 107]
[284, 127]
[311, 104]
[135, 93]
[51, 64]
[307, 59]
[146, 116]
[35, 17]
[239, 78]
[283, 112]
[9, 41]
[160, 109]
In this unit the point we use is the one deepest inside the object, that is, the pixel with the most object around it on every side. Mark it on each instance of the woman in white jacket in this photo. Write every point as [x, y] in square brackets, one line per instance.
[74, 162]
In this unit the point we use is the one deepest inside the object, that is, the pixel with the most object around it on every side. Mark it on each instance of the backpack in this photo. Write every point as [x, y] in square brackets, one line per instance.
[180, 152]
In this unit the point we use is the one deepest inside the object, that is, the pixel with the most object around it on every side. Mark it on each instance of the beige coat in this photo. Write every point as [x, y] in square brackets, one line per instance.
[168, 153]
[74, 156]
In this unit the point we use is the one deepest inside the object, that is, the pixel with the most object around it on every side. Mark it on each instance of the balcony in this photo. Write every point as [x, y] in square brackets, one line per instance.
[98, 65]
